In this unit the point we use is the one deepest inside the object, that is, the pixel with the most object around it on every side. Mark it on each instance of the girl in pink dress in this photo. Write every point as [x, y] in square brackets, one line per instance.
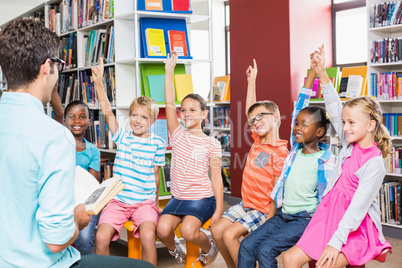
[346, 227]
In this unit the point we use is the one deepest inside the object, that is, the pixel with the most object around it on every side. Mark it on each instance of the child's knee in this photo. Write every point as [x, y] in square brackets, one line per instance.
[147, 238]
[188, 232]
[266, 251]
[102, 239]
[229, 235]
[217, 231]
[288, 258]
[163, 230]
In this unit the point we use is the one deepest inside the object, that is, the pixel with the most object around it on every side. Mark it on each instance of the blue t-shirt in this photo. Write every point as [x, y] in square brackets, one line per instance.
[89, 158]
[37, 164]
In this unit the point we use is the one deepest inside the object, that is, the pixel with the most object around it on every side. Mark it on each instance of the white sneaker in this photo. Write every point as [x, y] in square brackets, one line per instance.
[179, 253]
[208, 258]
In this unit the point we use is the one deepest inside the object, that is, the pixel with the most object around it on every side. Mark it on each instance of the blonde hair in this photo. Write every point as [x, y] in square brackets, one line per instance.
[147, 102]
[269, 105]
[371, 107]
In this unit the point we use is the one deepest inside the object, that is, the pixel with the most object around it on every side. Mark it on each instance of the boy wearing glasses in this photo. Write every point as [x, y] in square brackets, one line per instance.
[263, 167]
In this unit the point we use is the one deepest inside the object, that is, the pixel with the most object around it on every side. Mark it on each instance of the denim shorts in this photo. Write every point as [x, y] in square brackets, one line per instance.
[202, 209]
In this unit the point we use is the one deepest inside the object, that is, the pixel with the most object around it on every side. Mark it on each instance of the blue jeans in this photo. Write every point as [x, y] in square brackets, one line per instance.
[85, 239]
[276, 235]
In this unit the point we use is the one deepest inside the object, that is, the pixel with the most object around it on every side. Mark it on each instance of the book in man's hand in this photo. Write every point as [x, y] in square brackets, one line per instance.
[93, 195]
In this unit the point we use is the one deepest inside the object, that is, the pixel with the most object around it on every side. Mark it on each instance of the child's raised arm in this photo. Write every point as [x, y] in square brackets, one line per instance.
[251, 73]
[171, 115]
[312, 74]
[57, 106]
[97, 75]
[333, 104]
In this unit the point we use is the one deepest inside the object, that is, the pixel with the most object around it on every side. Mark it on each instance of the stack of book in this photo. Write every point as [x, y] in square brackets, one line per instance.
[386, 86]
[99, 43]
[385, 14]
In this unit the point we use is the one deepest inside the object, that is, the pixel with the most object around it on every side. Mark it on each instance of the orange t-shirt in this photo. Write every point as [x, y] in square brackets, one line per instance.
[264, 162]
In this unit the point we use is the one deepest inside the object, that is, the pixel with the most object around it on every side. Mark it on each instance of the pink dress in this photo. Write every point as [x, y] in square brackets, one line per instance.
[362, 245]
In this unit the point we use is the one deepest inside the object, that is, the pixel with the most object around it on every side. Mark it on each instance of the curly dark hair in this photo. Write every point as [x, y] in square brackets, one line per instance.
[24, 47]
[74, 103]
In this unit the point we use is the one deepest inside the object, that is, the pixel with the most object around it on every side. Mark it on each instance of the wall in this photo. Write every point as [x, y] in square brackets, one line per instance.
[279, 35]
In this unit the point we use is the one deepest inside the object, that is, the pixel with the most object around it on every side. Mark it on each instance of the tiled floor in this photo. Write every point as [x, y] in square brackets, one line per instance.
[165, 260]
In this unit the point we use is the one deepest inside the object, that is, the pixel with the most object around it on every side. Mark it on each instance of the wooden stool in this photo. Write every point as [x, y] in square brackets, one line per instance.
[380, 258]
[193, 251]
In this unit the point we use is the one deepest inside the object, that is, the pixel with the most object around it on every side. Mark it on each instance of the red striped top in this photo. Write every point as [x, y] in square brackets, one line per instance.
[190, 165]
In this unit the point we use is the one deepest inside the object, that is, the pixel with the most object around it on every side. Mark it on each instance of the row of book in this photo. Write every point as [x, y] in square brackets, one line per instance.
[393, 122]
[98, 132]
[70, 15]
[68, 50]
[386, 50]
[224, 139]
[182, 6]
[386, 86]
[106, 168]
[71, 87]
[161, 36]
[221, 89]
[393, 160]
[99, 43]
[221, 117]
[390, 202]
[385, 14]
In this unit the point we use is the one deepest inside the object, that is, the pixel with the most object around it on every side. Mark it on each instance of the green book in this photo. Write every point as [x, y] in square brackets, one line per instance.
[155, 69]
[157, 88]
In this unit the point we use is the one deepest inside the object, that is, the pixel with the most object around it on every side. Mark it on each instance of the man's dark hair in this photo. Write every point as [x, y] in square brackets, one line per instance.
[24, 47]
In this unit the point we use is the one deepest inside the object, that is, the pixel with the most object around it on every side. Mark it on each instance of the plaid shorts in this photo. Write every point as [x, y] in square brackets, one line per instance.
[251, 219]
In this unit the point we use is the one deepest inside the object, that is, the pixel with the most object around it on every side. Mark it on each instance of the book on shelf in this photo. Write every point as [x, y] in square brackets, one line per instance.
[224, 139]
[154, 39]
[221, 117]
[67, 51]
[181, 5]
[225, 170]
[356, 71]
[155, 42]
[393, 160]
[389, 200]
[354, 87]
[177, 42]
[393, 122]
[386, 86]
[153, 5]
[333, 73]
[385, 14]
[166, 177]
[221, 89]
[157, 88]
[106, 168]
[160, 129]
[93, 195]
[99, 43]
[183, 84]
[155, 69]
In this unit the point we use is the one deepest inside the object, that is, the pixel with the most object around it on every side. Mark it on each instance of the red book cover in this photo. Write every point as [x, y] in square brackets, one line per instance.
[181, 5]
[177, 42]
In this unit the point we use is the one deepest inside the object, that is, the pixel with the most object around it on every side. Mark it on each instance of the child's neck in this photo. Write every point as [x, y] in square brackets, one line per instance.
[80, 143]
[310, 149]
[272, 137]
[196, 132]
[366, 142]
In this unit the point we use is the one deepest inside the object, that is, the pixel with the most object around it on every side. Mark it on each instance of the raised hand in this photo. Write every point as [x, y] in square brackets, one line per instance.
[251, 72]
[319, 59]
[171, 61]
[97, 72]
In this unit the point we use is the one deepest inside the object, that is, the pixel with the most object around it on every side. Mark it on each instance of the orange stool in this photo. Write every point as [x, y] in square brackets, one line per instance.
[193, 251]
[134, 244]
[380, 258]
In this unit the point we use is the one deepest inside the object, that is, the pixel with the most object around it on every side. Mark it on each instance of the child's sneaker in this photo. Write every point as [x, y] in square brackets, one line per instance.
[179, 253]
[208, 258]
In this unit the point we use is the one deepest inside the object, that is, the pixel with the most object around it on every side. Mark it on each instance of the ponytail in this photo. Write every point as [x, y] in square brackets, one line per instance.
[383, 140]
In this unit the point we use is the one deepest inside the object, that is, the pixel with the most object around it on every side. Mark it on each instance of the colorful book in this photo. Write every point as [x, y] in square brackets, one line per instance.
[155, 42]
[159, 128]
[183, 85]
[181, 5]
[221, 88]
[157, 88]
[153, 5]
[177, 42]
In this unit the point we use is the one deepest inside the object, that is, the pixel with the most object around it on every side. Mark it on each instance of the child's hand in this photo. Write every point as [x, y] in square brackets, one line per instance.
[328, 257]
[251, 72]
[312, 64]
[97, 72]
[319, 60]
[171, 61]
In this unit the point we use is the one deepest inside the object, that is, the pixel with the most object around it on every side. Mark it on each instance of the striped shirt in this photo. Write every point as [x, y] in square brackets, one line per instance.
[190, 165]
[134, 163]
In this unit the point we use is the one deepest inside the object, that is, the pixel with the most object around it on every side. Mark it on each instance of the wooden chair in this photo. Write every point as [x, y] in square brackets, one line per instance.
[380, 258]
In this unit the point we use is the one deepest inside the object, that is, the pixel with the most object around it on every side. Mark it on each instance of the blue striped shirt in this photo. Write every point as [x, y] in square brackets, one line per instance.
[134, 162]
[326, 163]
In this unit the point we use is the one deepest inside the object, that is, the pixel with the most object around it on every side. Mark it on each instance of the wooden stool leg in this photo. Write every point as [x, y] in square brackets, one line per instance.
[192, 254]
[134, 246]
